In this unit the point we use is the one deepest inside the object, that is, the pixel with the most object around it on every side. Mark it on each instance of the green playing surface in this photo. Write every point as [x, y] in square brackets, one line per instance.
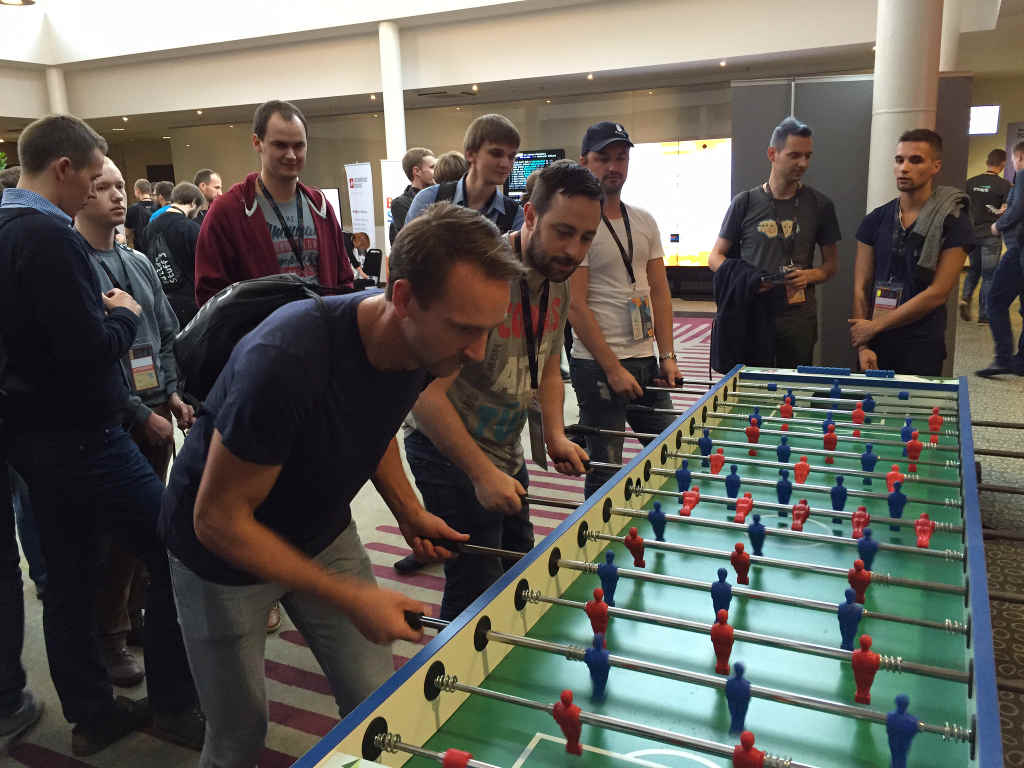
[509, 736]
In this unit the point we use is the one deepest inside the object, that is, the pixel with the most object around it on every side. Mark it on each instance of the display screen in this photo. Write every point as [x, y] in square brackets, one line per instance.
[527, 162]
[686, 186]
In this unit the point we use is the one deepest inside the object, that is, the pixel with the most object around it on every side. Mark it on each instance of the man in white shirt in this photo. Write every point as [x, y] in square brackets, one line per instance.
[620, 305]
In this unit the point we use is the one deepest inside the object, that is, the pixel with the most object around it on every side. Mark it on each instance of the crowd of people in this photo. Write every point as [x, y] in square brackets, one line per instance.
[460, 353]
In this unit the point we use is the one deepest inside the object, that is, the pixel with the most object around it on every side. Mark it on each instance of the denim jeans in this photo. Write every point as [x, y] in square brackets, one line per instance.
[602, 408]
[1007, 284]
[12, 606]
[448, 493]
[27, 530]
[225, 632]
[984, 259]
[86, 485]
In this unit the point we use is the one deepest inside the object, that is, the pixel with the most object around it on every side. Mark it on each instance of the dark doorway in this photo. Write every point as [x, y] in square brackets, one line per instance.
[157, 173]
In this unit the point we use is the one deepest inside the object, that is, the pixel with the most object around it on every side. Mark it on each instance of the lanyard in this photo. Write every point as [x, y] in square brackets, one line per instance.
[788, 243]
[898, 254]
[533, 336]
[627, 259]
[129, 290]
[295, 239]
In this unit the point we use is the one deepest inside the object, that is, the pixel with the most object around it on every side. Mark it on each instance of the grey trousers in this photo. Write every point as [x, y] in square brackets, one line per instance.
[224, 628]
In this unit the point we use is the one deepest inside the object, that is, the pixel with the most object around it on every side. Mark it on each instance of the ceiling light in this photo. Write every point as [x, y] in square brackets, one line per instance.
[590, 76]
[1, 141]
[17, 2]
[124, 119]
[166, 138]
[375, 114]
[373, 97]
[873, 47]
[119, 129]
[458, 109]
[547, 101]
[650, 93]
[721, 63]
[188, 146]
[476, 87]
[199, 111]
[231, 126]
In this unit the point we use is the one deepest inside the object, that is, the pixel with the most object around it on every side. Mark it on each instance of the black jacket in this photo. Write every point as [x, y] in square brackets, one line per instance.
[180, 234]
[744, 329]
[60, 341]
[400, 209]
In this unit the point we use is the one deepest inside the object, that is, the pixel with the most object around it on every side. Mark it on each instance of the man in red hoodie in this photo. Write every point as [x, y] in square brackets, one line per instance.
[272, 223]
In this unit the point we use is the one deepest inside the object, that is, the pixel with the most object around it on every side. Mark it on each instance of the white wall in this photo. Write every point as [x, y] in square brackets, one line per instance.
[22, 92]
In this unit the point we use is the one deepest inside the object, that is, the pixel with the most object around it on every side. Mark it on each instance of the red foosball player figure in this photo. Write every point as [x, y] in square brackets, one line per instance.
[745, 755]
[861, 520]
[801, 470]
[597, 611]
[865, 665]
[741, 562]
[893, 476]
[455, 758]
[717, 461]
[935, 424]
[924, 527]
[914, 448]
[829, 441]
[685, 510]
[801, 511]
[857, 417]
[784, 426]
[786, 409]
[567, 715]
[753, 435]
[721, 639]
[635, 544]
[691, 497]
[744, 504]
[859, 579]
[856, 433]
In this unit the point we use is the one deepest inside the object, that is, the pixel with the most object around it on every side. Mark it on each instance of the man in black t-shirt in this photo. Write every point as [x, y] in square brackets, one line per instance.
[303, 414]
[138, 214]
[988, 192]
[909, 255]
[418, 164]
[776, 227]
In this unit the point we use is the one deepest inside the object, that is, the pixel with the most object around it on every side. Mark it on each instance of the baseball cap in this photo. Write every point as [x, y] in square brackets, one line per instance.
[600, 135]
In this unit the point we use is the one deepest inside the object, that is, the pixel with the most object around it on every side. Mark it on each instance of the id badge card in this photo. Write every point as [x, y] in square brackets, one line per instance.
[887, 298]
[535, 420]
[142, 363]
[640, 319]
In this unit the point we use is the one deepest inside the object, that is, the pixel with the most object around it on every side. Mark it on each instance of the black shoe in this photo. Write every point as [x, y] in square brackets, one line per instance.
[997, 370]
[983, 320]
[408, 564]
[125, 716]
[187, 728]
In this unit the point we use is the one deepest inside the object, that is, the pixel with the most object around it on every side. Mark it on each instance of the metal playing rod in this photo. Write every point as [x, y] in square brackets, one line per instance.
[814, 468]
[809, 422]
[451, 683]
[836, 412]
[777, 400]
[805, 487]
[784, 385]
[392, 742]
[947, 554]
[891, 663]
[794, 565]
[946, 625]
[818, 436]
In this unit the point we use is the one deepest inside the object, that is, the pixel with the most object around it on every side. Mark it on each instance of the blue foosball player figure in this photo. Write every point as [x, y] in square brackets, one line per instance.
[737, 694]
[683, 476]
[783, 450]
[756, 531]
[596, 659]
[704, 444]
[791, 396]
[902, 728]
[849, 617]
[838, 494]
[867, 548]
[824, 424]
[721, 592]
[836, 391]
[868, 460]
[732, 482]
[897, 501]
[907, 434]
[608, 572]
[783, 488]
[657, 520]
[868, 404]
[757, 415]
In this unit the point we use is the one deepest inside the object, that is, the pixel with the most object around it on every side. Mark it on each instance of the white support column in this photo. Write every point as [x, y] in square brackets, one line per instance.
[950, 48]
[906, 83]
[56, 90]
[391, 85]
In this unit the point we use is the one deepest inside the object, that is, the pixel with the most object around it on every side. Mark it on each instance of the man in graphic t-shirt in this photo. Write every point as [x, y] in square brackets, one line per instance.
[776, 227]
[272, 223]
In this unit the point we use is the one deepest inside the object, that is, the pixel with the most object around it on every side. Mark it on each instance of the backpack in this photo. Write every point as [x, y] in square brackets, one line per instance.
[505, 222]
[164, 261]
[204, 345]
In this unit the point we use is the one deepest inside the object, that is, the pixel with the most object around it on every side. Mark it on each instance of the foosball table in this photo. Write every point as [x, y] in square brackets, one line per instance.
[792, 574]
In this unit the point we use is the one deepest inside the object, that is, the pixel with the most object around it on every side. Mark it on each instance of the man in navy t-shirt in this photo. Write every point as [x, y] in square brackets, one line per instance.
[909, 255]
[303, 414]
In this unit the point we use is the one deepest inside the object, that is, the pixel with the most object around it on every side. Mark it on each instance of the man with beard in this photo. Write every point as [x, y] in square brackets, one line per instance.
[775, 227]
[464, 441]
[621, 305]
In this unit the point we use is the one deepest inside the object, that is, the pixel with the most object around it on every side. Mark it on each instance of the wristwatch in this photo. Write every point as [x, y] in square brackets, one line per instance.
[669, 356]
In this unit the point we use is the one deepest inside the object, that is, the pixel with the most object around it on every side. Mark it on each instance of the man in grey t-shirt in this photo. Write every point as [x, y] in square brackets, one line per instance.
[775, 228]
[282, 239]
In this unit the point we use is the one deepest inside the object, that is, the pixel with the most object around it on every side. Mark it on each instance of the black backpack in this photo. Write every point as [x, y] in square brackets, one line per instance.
[164, 261]
[505, 222]
[204, 345]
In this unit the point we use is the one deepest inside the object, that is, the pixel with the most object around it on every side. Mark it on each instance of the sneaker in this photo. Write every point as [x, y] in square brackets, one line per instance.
[965, 310]
[125, 716]
[20, 720]
[274, 618]
[123, 669]
[187, 729]
[408, 564]
[997, 369]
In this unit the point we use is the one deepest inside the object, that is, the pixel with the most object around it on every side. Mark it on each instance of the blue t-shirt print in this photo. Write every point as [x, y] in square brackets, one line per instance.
[297, 394]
